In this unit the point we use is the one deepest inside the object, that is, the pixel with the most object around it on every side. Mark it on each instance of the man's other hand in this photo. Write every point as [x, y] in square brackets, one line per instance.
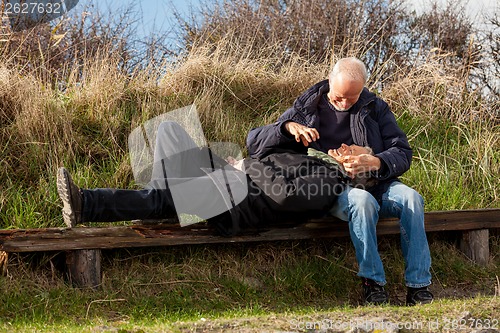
[302, 133]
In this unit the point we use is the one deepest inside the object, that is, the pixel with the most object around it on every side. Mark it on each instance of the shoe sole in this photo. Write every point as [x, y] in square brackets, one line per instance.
[63, 188]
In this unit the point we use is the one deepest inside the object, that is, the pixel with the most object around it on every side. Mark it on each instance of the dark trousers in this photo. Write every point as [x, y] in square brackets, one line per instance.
[109, 205]
[182, 179]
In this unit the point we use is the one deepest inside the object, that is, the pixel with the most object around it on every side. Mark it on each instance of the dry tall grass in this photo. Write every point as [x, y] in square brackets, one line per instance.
[84, 121]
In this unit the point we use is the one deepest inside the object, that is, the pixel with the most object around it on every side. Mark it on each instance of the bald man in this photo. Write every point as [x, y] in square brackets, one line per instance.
[339, 112]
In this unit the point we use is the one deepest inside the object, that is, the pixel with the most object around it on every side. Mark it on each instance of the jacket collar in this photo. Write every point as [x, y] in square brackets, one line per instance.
[365, 98]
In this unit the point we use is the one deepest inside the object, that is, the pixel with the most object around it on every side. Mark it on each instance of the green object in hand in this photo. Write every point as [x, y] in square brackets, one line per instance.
[327, 158]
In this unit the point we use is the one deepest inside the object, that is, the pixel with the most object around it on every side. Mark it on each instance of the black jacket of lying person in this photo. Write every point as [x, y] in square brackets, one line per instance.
[192, 181]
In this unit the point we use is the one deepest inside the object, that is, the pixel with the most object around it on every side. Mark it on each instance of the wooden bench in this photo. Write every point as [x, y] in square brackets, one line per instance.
[84, 244]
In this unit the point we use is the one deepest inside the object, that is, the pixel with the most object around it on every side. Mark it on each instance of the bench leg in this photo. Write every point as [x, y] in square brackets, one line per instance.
[475, 245]
[84, 268]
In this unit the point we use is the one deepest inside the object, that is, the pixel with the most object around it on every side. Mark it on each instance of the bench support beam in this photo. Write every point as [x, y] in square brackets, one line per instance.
[84, 268]
[474, 244]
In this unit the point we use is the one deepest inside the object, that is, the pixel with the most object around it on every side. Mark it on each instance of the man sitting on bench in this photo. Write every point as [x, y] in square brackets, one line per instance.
[339, 111]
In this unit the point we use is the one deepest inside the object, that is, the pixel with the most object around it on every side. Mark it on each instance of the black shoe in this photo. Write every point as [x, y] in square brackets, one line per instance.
[71, 197]
[418, 296]
[374, 293]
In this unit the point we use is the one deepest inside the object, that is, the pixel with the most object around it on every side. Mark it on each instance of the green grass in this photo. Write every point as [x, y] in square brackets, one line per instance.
[268, 284]
[456, 165]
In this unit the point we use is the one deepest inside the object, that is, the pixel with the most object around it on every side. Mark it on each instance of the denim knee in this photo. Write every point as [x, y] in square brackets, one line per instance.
[405, 196]
[414, 199]
[362, 201]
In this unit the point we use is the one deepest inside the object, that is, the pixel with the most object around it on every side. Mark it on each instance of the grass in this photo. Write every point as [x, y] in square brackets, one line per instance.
[85, 126]
[454, 166]
[229, 287]
[234, 286]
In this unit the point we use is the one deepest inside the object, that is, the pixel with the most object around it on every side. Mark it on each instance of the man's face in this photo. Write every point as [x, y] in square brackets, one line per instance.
[353, 149]
[344, 93]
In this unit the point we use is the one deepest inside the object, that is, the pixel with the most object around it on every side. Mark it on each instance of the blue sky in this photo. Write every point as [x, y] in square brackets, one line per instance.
[156, 14]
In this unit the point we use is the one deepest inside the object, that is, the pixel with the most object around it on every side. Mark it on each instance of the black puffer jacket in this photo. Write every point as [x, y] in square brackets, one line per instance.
[282, 187]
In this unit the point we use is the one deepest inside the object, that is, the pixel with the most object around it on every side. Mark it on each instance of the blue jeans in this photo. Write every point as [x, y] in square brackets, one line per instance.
[362, 211]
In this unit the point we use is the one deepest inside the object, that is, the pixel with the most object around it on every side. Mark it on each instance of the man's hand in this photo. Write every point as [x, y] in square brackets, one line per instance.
[355, 159]
[355, 165]
[302, 133]
[337, 155]
[344, 150]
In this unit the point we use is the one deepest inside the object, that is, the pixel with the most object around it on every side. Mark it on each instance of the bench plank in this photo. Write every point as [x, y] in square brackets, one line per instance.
[64, 239]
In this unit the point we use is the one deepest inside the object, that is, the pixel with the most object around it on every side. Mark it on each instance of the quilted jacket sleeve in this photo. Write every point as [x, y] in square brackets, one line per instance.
[262, 141]
[396, 153]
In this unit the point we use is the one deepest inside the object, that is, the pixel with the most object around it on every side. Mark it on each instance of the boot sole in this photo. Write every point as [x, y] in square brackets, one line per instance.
[63, 188]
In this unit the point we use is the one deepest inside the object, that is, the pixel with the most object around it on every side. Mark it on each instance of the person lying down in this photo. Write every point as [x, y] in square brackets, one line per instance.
[336, 157]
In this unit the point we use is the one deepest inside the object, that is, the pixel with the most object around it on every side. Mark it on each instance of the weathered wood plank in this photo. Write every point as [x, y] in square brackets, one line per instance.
[61, 239]
[460, 219]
